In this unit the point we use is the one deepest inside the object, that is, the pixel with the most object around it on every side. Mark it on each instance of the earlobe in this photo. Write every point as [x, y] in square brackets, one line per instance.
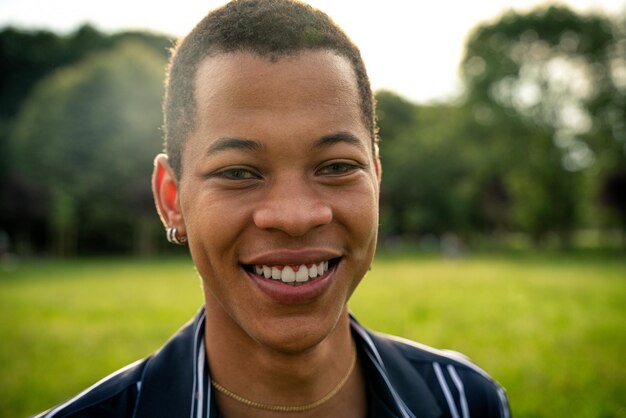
[165, 191]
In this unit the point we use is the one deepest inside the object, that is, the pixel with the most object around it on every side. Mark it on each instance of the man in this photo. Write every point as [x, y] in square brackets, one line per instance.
[271, 178]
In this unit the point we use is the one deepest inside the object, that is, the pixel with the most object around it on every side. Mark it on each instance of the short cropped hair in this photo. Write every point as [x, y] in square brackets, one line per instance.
[269, 28]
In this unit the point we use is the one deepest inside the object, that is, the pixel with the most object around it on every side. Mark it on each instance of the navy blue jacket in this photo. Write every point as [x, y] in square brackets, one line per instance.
[404, 380]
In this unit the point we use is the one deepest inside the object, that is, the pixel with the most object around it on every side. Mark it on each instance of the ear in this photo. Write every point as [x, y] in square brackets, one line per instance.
[165, 191]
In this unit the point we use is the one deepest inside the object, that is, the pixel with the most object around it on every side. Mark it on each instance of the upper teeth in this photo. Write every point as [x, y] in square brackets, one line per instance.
[292, 274]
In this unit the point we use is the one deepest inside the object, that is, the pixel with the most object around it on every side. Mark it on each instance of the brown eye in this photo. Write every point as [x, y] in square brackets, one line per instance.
[337, 169]
[237, 173]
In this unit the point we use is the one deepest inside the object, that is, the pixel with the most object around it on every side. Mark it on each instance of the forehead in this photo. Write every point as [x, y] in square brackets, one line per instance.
[244, 84]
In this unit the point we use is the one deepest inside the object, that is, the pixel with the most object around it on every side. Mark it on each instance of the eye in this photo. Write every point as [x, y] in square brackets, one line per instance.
[236, 173]
[338, 168]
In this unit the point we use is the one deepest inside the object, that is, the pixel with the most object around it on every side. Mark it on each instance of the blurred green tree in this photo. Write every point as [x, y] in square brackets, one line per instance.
[544, 92]
[26, 57]
[86, 137]
[426, 186]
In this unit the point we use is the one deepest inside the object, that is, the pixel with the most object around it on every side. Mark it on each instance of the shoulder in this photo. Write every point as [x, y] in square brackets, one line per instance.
[161, 384]
[113, 396]
[458, 384]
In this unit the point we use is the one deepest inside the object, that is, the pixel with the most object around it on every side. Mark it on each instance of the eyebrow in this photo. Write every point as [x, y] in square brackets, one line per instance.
[337, 138]
[223, 144]
[226, 143]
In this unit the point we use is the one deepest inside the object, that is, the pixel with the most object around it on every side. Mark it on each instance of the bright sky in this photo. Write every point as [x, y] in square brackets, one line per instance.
[412, 47]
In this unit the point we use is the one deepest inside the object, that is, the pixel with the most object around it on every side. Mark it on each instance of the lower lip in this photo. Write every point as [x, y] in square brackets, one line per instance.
[294, 295]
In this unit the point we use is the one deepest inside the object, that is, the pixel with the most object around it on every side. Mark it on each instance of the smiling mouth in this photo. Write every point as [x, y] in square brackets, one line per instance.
[294, 275]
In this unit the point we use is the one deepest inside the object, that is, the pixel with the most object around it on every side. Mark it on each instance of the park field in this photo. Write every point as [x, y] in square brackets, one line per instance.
[551, 328]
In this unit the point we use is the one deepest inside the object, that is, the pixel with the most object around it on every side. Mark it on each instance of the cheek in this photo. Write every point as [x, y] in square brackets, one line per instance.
[213, 234]
[213, 228]
[369, 218]
[359, 215]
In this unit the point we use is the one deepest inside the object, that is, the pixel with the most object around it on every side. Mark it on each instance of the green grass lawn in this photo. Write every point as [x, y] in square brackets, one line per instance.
[551, 328]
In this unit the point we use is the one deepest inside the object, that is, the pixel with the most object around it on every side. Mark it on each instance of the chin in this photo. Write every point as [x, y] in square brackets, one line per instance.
[299, 332]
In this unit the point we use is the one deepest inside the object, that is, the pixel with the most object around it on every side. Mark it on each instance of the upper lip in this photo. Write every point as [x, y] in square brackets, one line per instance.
[286, 257]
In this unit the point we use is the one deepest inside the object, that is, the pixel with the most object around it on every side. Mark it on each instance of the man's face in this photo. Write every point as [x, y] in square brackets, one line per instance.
[279, 194]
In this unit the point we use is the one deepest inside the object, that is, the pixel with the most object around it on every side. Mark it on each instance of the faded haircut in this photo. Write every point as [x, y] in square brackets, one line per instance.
[269, 28]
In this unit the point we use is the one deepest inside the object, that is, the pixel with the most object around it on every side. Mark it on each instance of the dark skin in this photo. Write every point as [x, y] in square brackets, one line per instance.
[278, 173]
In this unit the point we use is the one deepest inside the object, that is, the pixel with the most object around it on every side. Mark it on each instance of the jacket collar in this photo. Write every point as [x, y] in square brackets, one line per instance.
[176, 380]
[395, 379]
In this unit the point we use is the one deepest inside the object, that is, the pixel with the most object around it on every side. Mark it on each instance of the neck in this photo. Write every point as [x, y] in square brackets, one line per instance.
[268, 375]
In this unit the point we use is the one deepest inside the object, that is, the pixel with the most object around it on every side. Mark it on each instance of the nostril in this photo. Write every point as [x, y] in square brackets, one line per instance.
[292, 216]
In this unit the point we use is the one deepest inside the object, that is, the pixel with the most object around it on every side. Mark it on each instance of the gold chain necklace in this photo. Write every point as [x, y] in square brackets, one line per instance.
[286, 408]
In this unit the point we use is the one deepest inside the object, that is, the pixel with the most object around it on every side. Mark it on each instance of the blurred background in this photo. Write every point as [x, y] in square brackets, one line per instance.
[503, 141]
[509, 128]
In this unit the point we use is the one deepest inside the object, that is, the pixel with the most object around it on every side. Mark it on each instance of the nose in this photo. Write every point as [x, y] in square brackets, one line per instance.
[293, 207]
